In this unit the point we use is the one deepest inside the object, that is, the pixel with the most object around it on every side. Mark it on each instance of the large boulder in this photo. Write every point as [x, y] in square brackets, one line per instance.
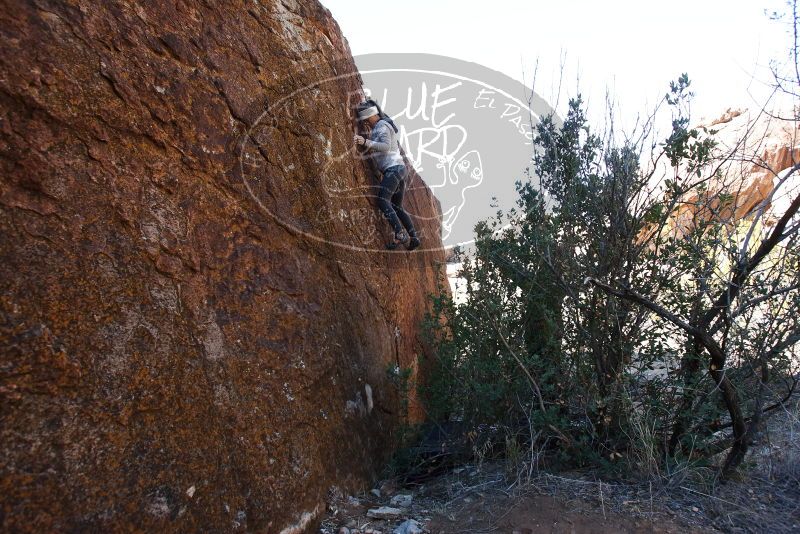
[195, 332]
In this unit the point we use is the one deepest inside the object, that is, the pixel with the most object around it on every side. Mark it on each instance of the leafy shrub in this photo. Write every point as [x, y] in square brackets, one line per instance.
[620, 316]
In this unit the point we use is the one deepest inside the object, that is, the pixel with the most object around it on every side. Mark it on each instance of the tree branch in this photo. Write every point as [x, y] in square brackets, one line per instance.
[533, 382]
[628, 294]
[743, 270]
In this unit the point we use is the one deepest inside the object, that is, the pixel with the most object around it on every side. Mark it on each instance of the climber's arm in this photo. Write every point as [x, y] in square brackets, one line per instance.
[380, 139]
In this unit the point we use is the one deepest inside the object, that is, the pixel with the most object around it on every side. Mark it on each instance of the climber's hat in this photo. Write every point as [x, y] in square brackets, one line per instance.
[366, 111]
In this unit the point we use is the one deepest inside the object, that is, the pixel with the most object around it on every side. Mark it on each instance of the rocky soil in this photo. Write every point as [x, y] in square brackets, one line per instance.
[479, 500]
[493, 498]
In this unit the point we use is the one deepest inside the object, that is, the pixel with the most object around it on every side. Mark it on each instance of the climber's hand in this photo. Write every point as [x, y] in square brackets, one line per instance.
[360, 140]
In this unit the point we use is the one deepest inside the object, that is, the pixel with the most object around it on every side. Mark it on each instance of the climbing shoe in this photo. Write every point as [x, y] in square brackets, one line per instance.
[400, 238]
[413, 243]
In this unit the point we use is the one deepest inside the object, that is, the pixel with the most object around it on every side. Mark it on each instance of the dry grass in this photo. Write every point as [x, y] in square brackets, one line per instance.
[765, 498]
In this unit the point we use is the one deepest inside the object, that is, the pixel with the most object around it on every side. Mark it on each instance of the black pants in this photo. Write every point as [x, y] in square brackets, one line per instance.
[390, 199]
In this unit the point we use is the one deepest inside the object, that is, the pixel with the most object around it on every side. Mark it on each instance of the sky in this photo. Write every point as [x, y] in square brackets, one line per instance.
[630, 49]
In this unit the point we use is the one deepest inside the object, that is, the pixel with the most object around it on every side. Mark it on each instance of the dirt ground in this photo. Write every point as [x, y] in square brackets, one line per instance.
[483, 500]
[543, 514]
[488, 498]
[476, 500]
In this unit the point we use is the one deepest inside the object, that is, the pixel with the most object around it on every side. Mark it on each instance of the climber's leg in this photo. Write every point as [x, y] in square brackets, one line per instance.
[397, 205]
[405, 218]
[391, 180]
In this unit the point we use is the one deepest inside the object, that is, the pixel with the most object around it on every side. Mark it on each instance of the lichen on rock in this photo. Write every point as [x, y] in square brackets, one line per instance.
[159, 330]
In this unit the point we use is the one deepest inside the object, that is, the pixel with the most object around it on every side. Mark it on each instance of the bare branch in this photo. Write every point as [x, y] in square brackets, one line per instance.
[743, 270]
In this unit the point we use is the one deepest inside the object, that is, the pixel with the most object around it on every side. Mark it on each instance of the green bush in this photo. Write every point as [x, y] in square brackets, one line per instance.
[577, 297]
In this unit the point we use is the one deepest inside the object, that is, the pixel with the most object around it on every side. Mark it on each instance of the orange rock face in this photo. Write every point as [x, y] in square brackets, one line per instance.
[760, 147]
[194, 334]
[754, 151]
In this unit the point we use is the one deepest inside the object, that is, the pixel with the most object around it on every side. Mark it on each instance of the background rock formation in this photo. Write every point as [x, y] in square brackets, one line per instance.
[188, 342]
[753, 153]
[754, 150]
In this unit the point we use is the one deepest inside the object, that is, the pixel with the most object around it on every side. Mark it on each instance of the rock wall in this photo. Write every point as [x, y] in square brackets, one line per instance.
[195, 331]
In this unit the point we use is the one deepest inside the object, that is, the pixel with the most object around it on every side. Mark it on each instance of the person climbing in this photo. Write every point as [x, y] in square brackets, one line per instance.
[384, 149]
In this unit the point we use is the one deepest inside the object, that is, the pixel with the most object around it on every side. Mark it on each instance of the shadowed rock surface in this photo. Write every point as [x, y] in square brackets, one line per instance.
[194, 333]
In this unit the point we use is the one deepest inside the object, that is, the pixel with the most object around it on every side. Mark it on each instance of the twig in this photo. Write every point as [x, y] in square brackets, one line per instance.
[602, 503]
[522, 366]
[716, 498]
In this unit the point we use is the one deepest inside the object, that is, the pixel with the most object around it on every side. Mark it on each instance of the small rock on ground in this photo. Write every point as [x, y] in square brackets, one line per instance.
[408, 526]
[384, 512]
[402, 501]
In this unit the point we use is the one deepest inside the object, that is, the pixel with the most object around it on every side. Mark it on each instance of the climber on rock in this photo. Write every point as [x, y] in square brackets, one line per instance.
[384, 149]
